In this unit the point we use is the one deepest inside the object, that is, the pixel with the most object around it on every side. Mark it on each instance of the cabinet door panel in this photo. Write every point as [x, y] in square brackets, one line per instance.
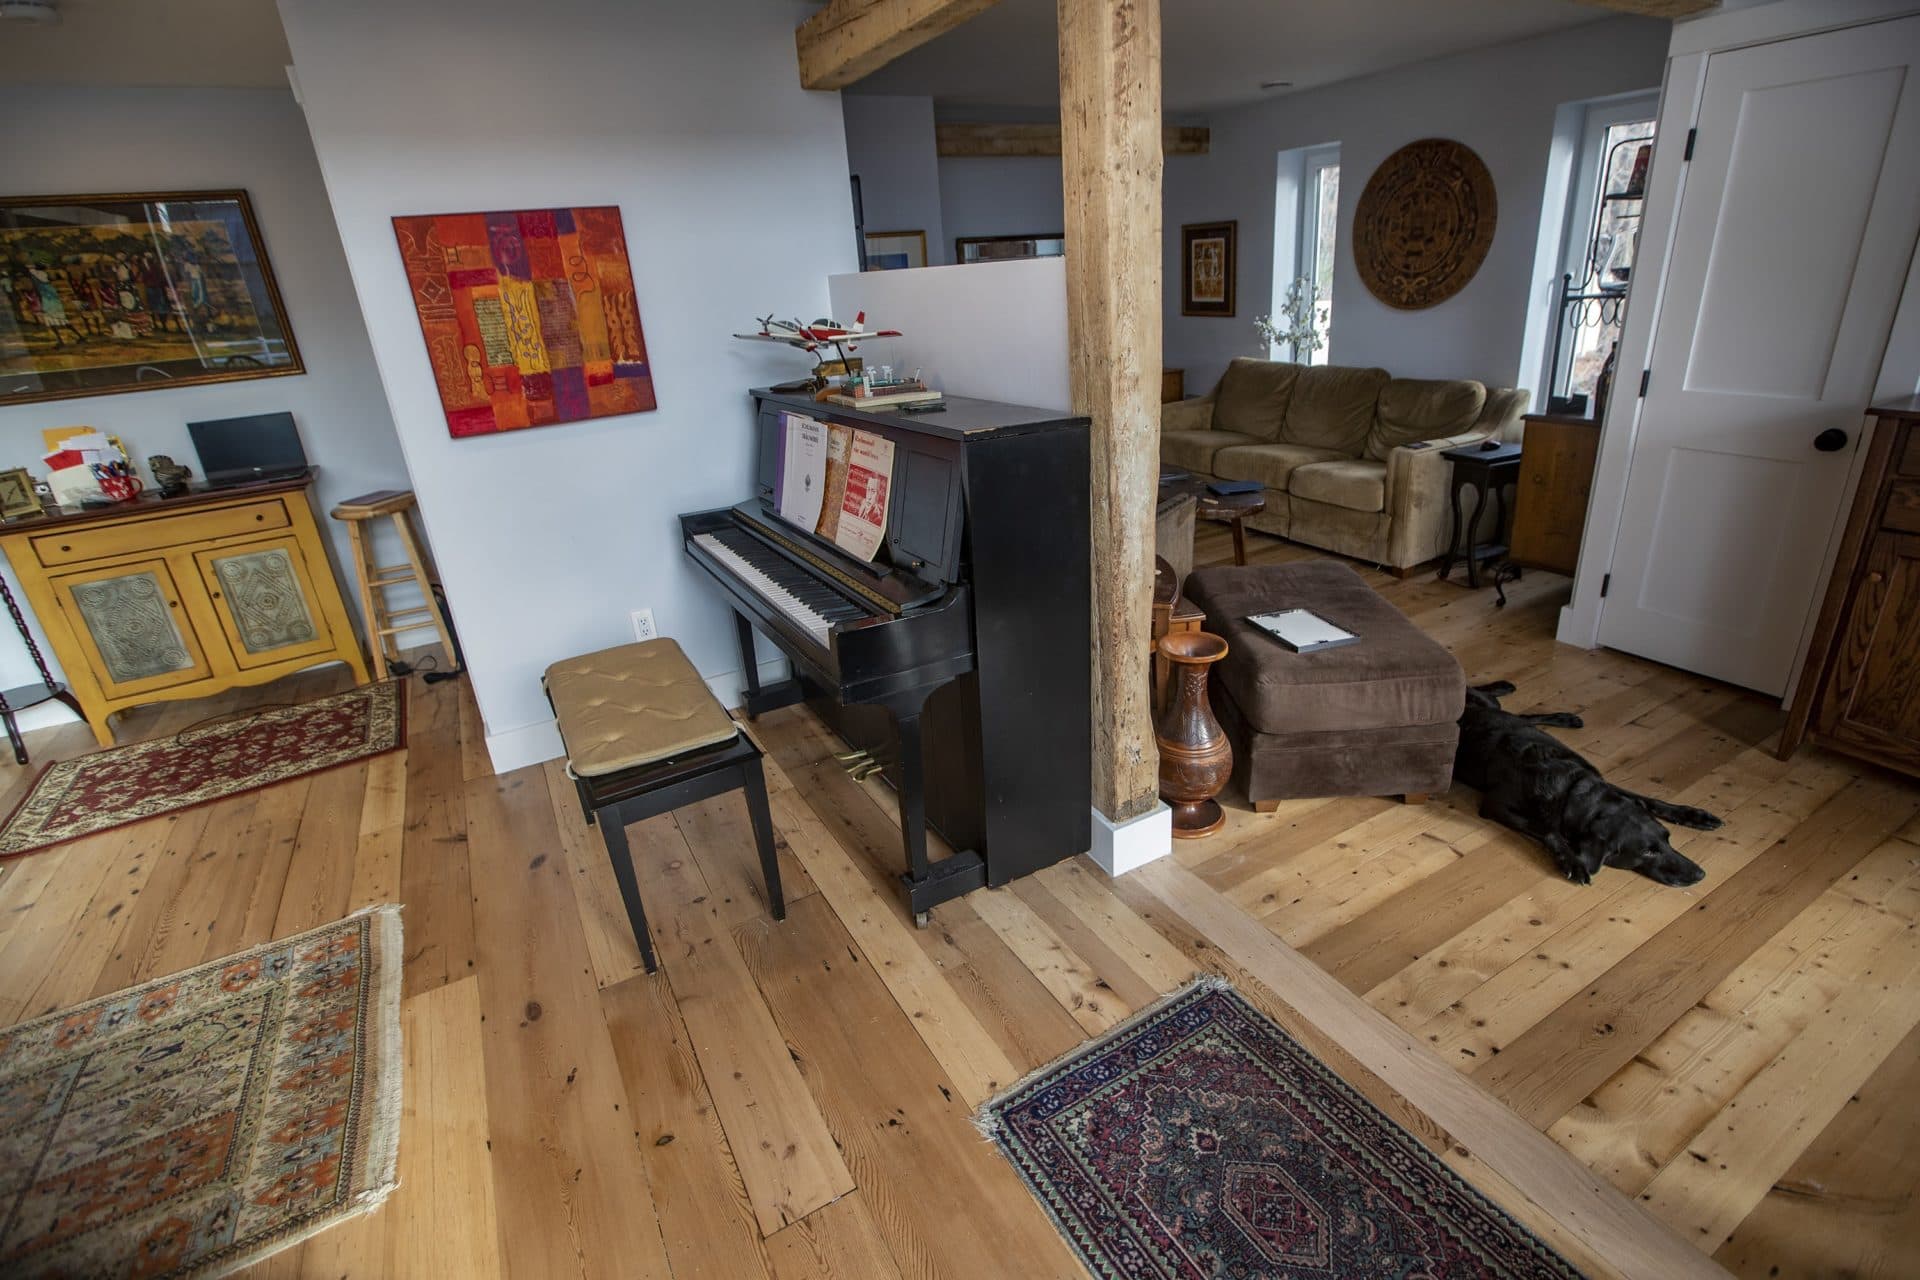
[1873, 695]
[262, 593]
[130, 622]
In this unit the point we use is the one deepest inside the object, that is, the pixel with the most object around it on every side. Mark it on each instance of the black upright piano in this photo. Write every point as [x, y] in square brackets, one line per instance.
[958, 656]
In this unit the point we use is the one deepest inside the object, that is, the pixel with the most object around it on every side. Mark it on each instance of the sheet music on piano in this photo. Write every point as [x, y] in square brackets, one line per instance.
[835, 481]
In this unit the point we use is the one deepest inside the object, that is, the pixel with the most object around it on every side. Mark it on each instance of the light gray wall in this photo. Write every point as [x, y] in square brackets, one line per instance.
[87, 140]
[1499, 100]
[890, 146]
[1001, 196]
[732, 184]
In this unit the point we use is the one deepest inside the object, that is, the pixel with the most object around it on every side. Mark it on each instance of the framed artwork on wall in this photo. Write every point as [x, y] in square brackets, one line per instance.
[528, 315]
[102, 294]
[1006, 248]
[1207, 267]
[896, 250]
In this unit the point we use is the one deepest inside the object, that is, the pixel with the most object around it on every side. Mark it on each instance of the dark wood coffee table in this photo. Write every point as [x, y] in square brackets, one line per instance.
[1231, 508]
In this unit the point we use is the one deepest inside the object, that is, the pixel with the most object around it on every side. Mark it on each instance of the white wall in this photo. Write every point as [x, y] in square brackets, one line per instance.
[85, 140]
[890, 146]
[991, 330]
[1500, 101]
[732, 182]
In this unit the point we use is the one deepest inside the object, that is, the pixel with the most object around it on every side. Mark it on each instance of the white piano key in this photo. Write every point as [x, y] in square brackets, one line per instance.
[767, 589]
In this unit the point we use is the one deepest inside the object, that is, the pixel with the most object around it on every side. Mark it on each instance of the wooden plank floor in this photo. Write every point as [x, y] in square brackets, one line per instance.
[1654, 1079]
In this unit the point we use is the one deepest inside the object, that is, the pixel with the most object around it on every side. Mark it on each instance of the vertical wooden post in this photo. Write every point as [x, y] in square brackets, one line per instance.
[1110, 151]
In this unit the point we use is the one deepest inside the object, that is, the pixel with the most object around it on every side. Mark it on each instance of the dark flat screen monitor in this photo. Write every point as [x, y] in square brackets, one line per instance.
[261, 446]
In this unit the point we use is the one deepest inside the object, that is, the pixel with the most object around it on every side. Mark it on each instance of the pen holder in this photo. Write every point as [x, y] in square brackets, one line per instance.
[122, 488]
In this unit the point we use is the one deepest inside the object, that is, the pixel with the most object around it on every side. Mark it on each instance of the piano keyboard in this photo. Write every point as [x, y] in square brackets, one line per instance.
[781, 583]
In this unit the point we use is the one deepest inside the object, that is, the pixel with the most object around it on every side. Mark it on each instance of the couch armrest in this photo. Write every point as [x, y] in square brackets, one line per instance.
[1187, 415]
[1419, 505]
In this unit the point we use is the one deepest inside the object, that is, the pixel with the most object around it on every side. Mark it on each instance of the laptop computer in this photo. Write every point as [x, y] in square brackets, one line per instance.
[259, 447]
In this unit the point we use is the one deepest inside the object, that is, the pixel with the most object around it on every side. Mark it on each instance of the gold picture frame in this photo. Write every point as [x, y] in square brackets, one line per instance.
[101, 294]
[17, 497]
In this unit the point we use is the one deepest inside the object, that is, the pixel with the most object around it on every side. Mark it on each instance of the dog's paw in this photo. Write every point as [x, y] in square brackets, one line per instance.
[1574, 722]
[1579, 875]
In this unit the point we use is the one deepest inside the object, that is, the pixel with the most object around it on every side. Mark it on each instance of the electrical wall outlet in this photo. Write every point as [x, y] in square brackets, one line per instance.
[643, 624]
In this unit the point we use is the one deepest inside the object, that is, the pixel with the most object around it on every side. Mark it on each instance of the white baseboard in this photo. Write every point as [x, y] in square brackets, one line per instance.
[1121, 847]
[539, 742]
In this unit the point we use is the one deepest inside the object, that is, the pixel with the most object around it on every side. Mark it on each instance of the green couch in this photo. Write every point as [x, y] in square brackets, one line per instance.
[1330, 445]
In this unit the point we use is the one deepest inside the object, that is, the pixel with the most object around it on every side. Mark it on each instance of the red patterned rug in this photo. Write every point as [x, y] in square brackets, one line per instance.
[111, 788]
[198, 1123]
[1198, 1141]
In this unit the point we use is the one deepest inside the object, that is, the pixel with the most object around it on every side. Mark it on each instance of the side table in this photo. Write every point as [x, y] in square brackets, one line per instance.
[1227, 508]
[1489, 471]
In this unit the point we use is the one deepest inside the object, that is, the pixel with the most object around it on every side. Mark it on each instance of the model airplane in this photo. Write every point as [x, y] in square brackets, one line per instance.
[811, 338]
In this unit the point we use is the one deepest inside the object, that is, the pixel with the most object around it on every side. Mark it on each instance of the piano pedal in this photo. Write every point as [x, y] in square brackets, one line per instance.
[852, 758]
[864, 771]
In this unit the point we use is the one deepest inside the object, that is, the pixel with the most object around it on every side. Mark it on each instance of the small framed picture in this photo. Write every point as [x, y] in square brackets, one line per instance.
[896, 250]
[1207, 266]
[17, 497]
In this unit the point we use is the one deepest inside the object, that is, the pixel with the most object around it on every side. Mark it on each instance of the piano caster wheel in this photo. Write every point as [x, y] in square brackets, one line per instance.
[921, 919]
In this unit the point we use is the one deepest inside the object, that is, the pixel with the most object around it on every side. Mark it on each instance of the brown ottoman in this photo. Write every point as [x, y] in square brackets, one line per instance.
[1375, 718]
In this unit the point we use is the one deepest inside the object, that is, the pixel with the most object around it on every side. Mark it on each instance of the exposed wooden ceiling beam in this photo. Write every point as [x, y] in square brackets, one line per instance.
[849, 39]
[963, 139]
[1656, 8]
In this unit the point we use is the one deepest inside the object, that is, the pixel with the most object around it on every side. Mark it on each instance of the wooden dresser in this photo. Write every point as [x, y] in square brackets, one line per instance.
[1550, 502]
[1858, 692]
[167, 598]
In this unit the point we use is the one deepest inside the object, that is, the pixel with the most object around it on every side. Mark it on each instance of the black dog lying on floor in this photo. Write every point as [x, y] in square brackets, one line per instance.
[1542, 788]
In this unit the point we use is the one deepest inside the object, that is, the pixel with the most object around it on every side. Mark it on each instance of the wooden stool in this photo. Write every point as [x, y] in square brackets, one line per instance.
[644, 737]
[382, 624]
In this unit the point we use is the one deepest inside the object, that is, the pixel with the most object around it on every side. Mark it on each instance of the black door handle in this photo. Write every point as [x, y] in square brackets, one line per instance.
[1832, 440]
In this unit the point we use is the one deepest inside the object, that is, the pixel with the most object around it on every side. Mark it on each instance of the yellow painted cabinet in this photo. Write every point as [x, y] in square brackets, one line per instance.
[185, 597]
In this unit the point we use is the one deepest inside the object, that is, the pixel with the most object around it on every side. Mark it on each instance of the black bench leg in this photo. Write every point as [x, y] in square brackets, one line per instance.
[613, 829]
[753, 779]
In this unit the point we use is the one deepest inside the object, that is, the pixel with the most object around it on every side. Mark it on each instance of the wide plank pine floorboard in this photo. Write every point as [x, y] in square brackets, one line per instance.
[1656, 1080]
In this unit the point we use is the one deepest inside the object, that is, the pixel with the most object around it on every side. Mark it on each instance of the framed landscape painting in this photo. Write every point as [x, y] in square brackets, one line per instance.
[101, 294]
[529, 316]
[896, 250]
[1207, 268]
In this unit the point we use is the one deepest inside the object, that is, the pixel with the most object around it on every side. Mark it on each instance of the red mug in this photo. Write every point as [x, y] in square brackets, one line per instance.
[122, 488]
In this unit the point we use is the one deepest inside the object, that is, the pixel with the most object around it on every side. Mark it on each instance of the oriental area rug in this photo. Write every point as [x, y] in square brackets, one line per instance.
[198, 1123]
[1199, 1141]
[111, 788]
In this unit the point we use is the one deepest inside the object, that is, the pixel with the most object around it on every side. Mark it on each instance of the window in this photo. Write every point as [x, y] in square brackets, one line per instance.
[1306, 209]
[1319, 218]
[1609, 180]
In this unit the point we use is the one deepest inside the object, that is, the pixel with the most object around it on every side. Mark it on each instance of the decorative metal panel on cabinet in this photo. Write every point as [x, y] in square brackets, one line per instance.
[1860, 689]
[183, 597]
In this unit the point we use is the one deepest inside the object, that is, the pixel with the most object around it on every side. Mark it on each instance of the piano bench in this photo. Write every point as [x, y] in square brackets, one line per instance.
[644, 737]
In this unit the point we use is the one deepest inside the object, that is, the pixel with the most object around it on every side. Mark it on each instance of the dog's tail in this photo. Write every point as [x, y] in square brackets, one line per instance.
[1681, 815]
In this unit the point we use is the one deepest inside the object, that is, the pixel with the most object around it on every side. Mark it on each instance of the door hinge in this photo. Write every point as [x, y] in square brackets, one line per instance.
[1606, 580]
[1646, 376]
[1691, 135]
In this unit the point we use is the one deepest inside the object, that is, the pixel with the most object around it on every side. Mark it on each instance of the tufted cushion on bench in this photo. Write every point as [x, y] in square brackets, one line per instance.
[632, 705]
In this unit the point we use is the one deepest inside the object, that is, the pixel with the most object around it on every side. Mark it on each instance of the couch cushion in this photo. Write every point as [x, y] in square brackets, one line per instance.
[1501, 415]
[632, 705]
[1194, 450]
[1358, 484]
[1394, 676]
[1332, 408]
[1270, 464]
[1253, 396]
[1412, 409]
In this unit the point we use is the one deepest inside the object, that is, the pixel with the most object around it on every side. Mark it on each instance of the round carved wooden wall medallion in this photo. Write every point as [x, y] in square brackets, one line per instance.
[1424, 223]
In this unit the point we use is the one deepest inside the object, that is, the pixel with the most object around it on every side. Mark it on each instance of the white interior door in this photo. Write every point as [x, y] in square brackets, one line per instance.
[1795, 227]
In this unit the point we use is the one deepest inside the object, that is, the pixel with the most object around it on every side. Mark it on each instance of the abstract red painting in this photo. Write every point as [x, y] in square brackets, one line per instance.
[529, 316]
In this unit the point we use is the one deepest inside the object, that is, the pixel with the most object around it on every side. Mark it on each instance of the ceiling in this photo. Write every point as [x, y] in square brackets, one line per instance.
[223, 43]
[1217, 52]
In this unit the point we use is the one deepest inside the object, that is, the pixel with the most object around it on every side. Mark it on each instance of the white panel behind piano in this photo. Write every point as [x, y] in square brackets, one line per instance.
[992, 330]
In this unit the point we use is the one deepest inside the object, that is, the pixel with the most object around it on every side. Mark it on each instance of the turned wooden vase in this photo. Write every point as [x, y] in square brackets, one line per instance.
[1195, 756]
